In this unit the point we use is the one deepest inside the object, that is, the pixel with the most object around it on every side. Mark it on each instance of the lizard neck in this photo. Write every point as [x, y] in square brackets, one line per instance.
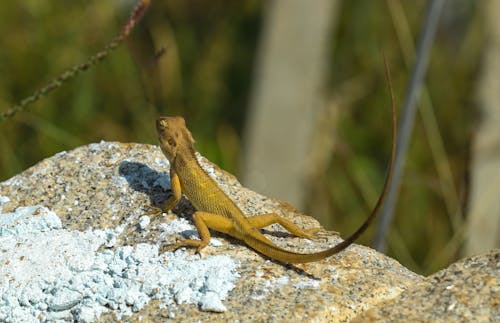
[185, 157]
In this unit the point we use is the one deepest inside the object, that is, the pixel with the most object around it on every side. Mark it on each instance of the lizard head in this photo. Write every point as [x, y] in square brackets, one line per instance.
[173, 136]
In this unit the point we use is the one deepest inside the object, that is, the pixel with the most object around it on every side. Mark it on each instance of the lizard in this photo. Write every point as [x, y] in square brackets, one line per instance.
[217, 211]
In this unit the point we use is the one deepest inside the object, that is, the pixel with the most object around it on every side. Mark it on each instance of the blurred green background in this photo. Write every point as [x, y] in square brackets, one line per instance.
[197, 59]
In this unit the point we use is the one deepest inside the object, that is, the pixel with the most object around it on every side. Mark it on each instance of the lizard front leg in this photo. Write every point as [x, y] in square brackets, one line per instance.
[203, 221]
[175, 186]
[263, 220]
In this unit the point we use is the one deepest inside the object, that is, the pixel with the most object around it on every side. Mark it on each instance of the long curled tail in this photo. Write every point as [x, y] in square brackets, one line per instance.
[257, 243]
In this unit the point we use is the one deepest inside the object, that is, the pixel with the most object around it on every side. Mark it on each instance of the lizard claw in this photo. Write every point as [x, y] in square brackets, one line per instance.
[198, 250]
[313, 233]
[154, 211]
[169, 247]
[199, 245]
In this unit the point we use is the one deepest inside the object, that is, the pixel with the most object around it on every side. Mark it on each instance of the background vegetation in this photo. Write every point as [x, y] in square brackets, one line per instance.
[196, 58]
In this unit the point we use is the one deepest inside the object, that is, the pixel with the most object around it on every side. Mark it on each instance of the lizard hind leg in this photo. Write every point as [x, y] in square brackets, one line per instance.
[203, 221]
[263, 220]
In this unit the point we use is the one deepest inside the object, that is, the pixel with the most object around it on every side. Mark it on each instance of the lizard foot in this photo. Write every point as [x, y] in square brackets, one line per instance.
[154, 211]
[198, 244]
[319, 233]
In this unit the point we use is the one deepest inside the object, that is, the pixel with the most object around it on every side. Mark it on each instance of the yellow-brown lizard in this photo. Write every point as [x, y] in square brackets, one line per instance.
[215, 210]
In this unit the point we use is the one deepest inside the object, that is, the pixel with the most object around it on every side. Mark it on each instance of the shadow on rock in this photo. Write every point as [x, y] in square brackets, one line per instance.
[144, 179]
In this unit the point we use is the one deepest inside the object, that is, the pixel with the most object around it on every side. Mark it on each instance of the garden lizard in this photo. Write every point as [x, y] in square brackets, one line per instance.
[217, 211]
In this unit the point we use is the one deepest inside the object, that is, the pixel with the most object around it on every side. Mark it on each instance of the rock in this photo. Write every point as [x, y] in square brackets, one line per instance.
[466, 291]
[109, 188]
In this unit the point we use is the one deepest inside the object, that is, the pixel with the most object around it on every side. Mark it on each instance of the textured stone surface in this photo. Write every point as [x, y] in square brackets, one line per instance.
[466, 291]
[110, 184]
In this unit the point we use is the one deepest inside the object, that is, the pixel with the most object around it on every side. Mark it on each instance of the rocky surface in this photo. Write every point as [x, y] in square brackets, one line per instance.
[466, 291]
[115, 187]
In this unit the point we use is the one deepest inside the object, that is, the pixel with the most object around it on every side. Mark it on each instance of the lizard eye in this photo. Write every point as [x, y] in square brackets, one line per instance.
[171, 142]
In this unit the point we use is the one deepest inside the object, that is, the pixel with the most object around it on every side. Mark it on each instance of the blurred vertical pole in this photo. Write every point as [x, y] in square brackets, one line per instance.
[289, 75]
[483, 228]
[408, 117]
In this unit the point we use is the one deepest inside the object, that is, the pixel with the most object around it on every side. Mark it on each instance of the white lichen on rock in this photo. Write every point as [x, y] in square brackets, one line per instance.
[50, 273]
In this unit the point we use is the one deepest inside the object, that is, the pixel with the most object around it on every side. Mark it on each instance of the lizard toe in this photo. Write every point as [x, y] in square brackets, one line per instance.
[154, 211]
[320, 233]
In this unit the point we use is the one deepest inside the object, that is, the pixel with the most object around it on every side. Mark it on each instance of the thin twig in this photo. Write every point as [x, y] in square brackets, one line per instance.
[71, 73]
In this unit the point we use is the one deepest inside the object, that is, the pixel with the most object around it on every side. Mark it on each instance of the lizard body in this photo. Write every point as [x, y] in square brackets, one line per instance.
[215, 210]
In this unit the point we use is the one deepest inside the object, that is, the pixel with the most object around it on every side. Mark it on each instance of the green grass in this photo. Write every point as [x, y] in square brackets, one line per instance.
[205, 74]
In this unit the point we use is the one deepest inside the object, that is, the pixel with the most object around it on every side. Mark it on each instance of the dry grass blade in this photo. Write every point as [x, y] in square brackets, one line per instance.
[71, 73]
[408, 116]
